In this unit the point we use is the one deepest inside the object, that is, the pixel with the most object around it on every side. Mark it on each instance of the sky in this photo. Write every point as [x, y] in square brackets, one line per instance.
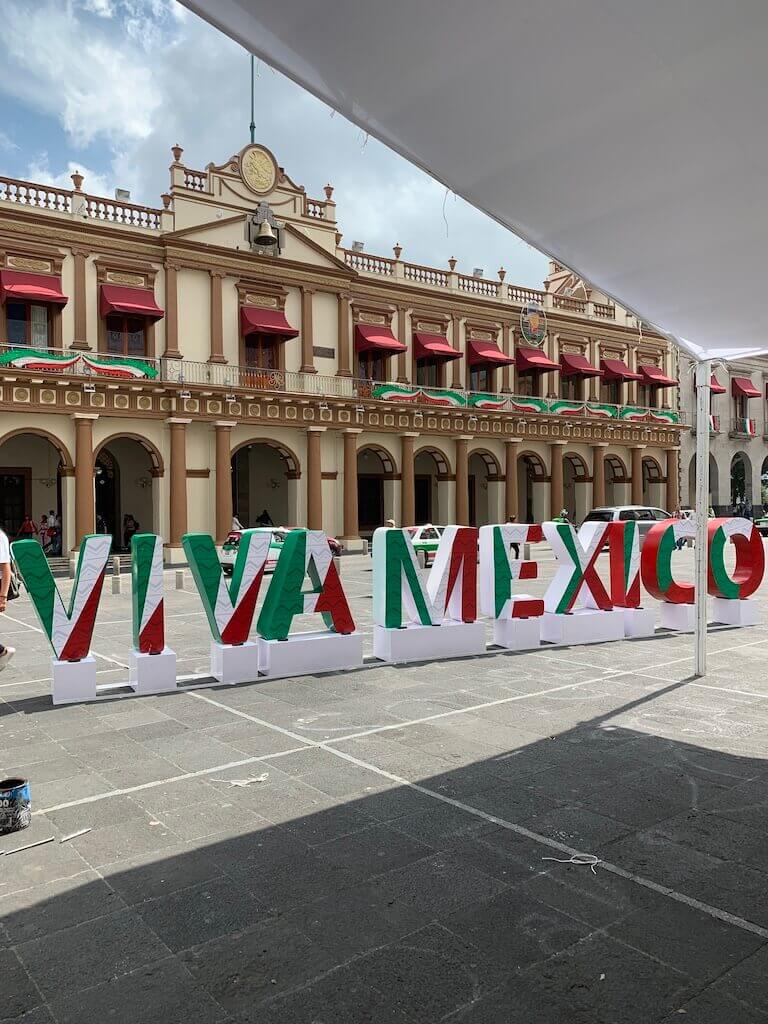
[106, 87]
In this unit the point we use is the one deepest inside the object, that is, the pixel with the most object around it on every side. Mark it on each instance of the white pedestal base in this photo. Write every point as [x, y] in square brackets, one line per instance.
[152, 673]
[735, 613]
[428, 643]
[639, 622]
[680, 617]
[73, 681]
[232, 665]
[309, 653]
[583, 626]
[517, 634]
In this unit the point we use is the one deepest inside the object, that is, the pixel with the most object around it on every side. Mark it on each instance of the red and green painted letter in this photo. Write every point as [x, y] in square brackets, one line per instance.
[576, 554]
[499, 571]
[399, 595]
[304, 553]
[623, 561]
[656, 561]
[750, 558]
[69, 629]
[452, 583]
[230, 609]
[148, 601]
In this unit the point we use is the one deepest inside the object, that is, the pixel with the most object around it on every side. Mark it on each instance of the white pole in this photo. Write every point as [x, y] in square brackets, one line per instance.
[703, 380]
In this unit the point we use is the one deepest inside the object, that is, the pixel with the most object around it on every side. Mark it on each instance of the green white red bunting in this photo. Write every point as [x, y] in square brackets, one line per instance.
[230, 608]
[305, 553]
[69, 630]
[147, 593]
[500, 571]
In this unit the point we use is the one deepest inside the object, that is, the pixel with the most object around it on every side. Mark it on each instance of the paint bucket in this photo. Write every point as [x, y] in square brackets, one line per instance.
[15, 805]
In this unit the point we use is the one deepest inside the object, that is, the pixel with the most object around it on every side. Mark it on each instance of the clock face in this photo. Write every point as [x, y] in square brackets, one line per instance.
[257, 167]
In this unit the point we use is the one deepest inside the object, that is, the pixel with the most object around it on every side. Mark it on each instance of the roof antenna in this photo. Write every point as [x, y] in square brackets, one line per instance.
[253, 125]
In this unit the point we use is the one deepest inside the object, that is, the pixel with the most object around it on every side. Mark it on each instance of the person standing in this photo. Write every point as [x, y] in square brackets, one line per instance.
[6, 653]
[515, 547]
[28, 528]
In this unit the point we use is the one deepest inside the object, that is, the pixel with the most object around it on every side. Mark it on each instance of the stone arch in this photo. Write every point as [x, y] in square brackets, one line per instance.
[68, 466]
[741, 478]
[442, 461]
[575, 497]
[265, 475]
[385, 457]
[485, 482]
[155, 455]
[617, 483]
[653, 482]
[433, 483]
[714, 484]
[289, 457]
[532, 488]
[376, 473]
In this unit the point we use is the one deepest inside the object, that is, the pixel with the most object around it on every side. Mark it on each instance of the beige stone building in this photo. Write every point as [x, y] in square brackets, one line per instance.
[226, 354]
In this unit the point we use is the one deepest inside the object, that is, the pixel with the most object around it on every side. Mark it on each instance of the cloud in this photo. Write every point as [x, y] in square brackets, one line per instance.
[141, 75]
[7, 145]
[94, 182]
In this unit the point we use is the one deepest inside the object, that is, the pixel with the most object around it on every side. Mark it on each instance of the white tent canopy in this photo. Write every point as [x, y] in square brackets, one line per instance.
[626, 139]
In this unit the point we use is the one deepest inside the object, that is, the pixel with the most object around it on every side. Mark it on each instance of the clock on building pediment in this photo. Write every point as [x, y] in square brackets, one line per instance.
[258, 169]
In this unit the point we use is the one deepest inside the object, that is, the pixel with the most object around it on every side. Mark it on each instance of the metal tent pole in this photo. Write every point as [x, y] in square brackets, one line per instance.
[703, 380]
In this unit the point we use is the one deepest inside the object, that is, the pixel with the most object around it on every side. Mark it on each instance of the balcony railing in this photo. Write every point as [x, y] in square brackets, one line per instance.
[46, 197]
[742, 426]
[183, 373]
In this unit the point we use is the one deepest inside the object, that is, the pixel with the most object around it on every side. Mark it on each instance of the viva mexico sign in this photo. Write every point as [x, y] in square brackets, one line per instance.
[590, 599]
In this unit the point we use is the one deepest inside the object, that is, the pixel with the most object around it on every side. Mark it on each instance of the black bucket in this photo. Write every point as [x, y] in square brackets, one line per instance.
[15, 805]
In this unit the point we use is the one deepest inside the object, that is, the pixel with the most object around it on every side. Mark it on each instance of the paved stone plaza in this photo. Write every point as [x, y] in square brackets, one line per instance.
[401, 856]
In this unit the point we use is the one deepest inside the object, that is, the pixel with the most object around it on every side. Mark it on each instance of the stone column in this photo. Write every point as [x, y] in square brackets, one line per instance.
[598, 474]
[511, 499]
[344, 369]
[178, 489]
[314, 478]
[402, 336]
[81, 320]
[556, 449]
[223, 479]
[84, 495]
[459, 372]
[637, 474]
[462, 480]
[171, 314]
[673, 480]
[351, 523]
[217, 322]
[407, 480]
[307, 337]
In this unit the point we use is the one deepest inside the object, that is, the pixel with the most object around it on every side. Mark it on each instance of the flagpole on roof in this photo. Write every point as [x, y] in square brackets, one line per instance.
[253, 122]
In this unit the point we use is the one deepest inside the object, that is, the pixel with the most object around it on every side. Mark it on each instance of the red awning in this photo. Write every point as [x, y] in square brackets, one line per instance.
[16, 286]
[372, 336]
[433, 346]
[617, 369]
[272, 322]
[653, 375]
[715, 387]
[572, 364]
[487, 352]
[533, 360]
[743, 386]
[129, 301]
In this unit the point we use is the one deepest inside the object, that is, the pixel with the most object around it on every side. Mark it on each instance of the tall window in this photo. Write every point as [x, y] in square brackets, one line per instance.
[741, 407]
[428, 372]
[28, 324]
[610, 391]
[528, 384]
[648, 396]
[572, 388]
[126, 335]
[371, 365]
[481, 378]
[261, 352]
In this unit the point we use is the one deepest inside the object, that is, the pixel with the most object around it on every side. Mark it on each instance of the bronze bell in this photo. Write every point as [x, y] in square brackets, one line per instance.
[266, 234]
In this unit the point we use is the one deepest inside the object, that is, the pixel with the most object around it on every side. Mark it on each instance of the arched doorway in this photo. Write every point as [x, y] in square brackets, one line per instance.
[575, 492]
[126, 469]
[764, 484]
[432, 473]
[616, 481]
[532, 488]
[375, 488]
[484, 489]
[741, 478]
[265, 478]
[33, 466]
[714, 484]
[653, 483]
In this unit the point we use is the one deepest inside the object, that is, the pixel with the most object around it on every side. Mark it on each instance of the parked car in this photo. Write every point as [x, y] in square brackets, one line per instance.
[761, 522]
[644, 515]
[426, 539]
[279, 533]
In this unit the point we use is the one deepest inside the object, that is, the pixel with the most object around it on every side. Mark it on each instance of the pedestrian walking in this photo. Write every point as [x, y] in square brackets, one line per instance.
[6, 653]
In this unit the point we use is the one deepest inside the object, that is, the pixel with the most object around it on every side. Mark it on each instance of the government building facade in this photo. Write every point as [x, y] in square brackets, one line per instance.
[225, 354]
